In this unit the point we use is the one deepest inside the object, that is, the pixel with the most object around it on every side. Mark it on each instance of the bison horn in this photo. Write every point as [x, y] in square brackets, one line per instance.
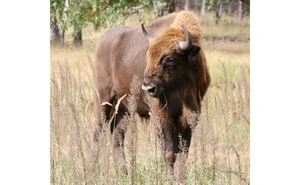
[185, 45]
[146, 34]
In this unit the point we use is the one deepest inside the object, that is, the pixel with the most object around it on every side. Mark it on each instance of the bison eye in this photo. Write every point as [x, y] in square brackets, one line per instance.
[170, 61]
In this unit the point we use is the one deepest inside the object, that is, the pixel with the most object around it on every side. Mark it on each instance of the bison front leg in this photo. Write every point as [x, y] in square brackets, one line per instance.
[175, 141]
[118, 148]
[119, 127]
[170, 148]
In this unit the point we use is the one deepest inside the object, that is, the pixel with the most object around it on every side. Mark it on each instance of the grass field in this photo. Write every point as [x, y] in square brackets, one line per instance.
[220, 148]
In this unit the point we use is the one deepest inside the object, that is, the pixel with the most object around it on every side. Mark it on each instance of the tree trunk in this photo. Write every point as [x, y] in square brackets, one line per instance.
[62, 36]
[240, 10]
[57, 35]
[196, 5]
[229, 10]
[203, 8]
[77, 36]
[171, 5]
[219, 11]
[220, 8]
[54, 31]
[186, 5]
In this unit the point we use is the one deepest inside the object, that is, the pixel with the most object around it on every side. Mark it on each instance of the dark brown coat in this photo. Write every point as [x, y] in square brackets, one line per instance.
[176, 78]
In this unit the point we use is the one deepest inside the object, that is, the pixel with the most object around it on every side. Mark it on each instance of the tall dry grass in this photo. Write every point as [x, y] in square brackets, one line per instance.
[219, 151]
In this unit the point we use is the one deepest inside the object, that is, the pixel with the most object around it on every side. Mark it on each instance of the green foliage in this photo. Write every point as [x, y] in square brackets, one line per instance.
[56, 10]
[104, 13]
[101, 13]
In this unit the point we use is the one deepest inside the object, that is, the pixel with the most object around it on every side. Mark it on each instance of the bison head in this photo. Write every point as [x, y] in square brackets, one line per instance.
[170, 58]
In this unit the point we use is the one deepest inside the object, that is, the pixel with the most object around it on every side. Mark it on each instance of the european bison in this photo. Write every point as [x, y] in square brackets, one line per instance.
[167, 58]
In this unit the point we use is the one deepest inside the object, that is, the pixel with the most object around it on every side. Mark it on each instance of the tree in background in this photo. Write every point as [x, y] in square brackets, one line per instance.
[203, 8]
[57, 9]
[230, 7]
[219, 11]
[171, 6]
[163, 7]
[103, 13]
[78, 13]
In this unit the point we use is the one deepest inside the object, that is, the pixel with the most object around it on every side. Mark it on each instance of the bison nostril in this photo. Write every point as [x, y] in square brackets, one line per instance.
[150, 88]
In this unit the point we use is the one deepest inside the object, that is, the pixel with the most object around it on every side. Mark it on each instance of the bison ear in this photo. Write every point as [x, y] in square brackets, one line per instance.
[193, 53]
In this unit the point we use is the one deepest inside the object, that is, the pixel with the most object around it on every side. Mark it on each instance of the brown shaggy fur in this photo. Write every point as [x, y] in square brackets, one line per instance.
[124, 52]
[166, 42]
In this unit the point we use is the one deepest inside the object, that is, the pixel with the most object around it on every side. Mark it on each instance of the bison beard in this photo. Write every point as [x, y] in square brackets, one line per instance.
[171, 67]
